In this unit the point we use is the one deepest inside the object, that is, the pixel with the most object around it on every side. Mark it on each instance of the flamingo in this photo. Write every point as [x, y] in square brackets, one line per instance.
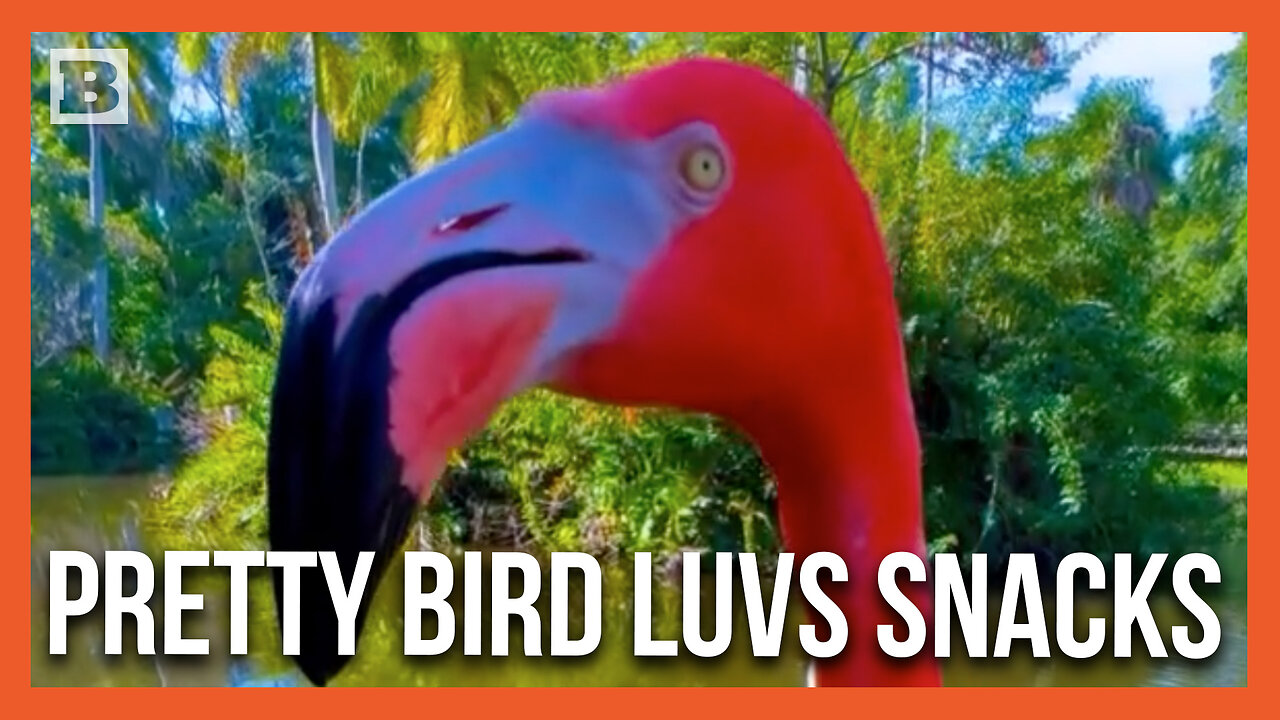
[690, 236]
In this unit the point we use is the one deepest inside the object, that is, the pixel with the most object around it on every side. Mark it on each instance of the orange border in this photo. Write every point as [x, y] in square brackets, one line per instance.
[158, 15]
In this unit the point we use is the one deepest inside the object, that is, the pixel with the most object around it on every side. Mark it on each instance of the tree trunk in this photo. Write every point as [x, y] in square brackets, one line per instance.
[358, 192]
[99, 303]
[827, 74]
[800, 74]
[926, 99]
[322, 144]
[255, 230]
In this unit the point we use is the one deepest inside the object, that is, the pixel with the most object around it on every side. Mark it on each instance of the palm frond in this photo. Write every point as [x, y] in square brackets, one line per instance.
[194, 49]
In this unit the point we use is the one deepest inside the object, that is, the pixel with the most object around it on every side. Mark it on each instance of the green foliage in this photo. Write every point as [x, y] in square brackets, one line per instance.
[1203, 234]
[87, 419]
[199, 205]
[224, 486]
[1031, 289]
[1227, 475]
[582, 476]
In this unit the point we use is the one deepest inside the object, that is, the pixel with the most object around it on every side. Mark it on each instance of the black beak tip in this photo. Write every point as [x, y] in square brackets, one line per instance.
[320, 669]
[333, 479]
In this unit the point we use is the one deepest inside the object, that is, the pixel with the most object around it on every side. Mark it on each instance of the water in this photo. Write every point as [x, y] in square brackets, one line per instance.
[96, 514]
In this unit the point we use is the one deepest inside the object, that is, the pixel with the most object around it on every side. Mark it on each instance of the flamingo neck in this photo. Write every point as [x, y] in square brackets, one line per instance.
[847, 460]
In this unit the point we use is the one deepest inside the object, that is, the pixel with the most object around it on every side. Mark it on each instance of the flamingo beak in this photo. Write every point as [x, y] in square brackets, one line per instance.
[455, 290]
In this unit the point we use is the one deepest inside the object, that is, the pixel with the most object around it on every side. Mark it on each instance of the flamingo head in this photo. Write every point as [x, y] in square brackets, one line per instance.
[691, 236]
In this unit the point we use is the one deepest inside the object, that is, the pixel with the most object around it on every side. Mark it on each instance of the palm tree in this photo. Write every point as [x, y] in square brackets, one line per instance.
[1132, 157]
[471, 82]
[329, 66]
[471, 91]
[147, 85]
[383, 67]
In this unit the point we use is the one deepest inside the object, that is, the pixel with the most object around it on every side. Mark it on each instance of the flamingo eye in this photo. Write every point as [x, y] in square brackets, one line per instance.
[702, 167]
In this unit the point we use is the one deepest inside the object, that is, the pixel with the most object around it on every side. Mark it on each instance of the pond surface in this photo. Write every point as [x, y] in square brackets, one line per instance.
[96, 514]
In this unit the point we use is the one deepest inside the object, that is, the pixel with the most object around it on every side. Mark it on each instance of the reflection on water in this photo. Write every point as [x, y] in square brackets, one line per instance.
[96, 514]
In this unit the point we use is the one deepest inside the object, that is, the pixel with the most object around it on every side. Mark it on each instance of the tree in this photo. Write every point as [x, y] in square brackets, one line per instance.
[147, 80]
[328, 64]
[471, 90]
[1203, 229]
[1120, 135]
[382, 68]
[476, 81]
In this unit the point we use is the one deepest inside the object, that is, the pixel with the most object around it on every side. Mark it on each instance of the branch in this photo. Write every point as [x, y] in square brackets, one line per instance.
[855, 39]
[880, 62]
[823, 59]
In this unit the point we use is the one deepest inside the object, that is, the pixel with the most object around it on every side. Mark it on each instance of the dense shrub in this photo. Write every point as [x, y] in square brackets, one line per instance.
[224, 485]
[85, 419]
[575, 475]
